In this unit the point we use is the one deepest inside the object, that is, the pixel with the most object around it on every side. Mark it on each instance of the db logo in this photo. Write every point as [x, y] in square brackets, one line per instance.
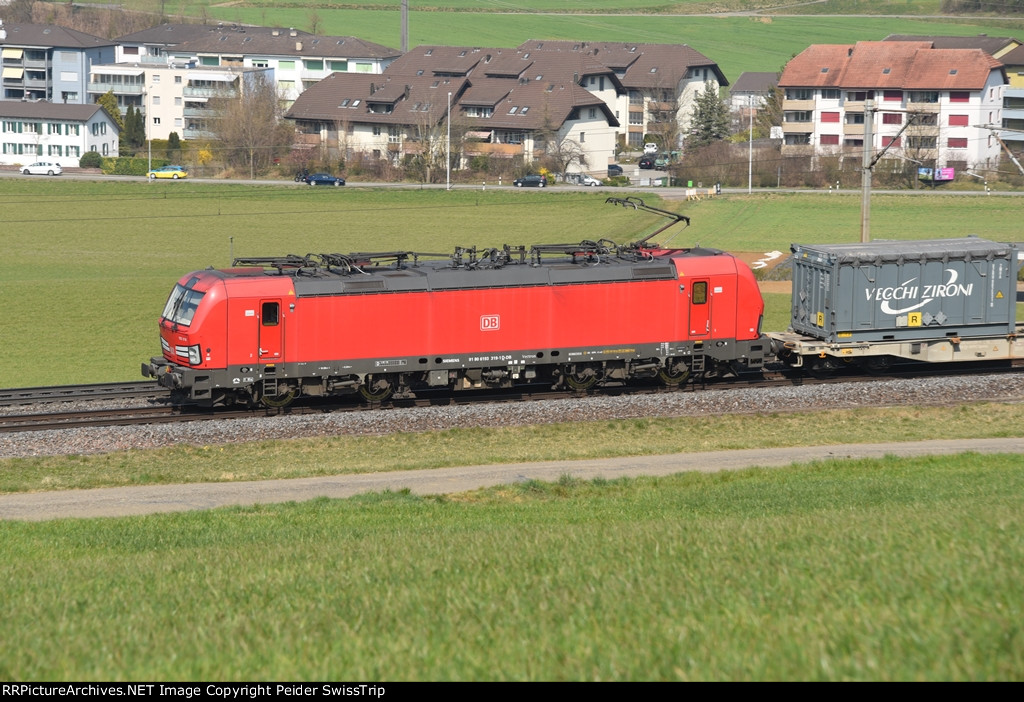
[490, 322]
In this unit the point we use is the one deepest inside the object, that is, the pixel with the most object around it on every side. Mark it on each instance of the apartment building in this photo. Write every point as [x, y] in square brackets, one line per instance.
[32, 131]
[926, 105]
[47, 62]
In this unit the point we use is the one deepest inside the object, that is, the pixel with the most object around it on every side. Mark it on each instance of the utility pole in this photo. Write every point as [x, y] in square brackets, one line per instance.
[865, 174]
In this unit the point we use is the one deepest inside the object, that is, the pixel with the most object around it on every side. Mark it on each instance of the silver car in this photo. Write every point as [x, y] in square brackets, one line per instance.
[42, 168]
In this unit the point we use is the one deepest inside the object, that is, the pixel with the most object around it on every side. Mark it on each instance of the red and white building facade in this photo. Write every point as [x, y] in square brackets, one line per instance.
[926, 105]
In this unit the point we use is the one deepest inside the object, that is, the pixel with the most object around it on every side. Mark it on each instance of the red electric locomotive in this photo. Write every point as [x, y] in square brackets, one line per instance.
[388, 324]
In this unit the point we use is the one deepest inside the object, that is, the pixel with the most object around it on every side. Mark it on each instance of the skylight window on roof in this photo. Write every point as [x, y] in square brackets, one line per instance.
[429, 52]
[419, 72]
[825, 69]
[514, 110]
[344, 103]
[886, 71]
[355, 103]
[524, 110]
[952, 71]
[654, 69]
[462, 53]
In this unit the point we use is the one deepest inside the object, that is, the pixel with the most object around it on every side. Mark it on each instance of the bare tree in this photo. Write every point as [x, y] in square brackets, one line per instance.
[249, 126]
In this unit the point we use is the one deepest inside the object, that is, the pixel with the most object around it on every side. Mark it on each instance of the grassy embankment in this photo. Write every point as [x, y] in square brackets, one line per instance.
[867, 570]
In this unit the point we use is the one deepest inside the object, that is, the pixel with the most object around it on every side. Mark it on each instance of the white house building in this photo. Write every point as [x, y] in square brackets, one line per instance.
[33, 131]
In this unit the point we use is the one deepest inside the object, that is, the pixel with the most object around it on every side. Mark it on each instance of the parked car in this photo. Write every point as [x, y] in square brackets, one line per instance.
[614, 169]
[530, 181]
[650, 148]
[646, 162]
[174, 172]
[662, 162]
[42, 168]
[323, 179]
[589, 180]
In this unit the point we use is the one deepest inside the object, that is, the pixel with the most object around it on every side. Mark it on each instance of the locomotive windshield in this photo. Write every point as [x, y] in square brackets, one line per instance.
[182, 304]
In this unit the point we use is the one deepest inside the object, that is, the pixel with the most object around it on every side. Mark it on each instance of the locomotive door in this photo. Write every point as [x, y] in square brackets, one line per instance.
[271, 331]
[700, 308]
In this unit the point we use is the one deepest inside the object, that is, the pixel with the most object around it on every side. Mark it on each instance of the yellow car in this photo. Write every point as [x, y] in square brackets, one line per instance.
[168, 172]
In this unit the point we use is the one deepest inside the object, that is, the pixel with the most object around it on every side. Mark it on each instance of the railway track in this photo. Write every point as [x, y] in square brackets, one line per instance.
[69, 393]
[82, 416]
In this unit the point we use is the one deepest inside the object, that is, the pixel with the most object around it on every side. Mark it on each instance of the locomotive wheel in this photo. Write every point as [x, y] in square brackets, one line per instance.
[878, 365]
[376, 390]
[674, 374]
[279, 401]
[581, 378]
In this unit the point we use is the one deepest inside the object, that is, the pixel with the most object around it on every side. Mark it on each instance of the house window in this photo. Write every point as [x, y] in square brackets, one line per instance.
[892, 118]
[314, 65]
[830, 117]
[892, 95]
[957, 142]
[959, 96]
[799, 94]
[394, 134]
[798, 139]
[924, 96]
[860, 95]
[592, 113]
[376, 130]
[894, 142]
[921, 142]
[797, 116]
[958, 120]
[340, 66]
[829, 140]
[830, 94]
[583, 137]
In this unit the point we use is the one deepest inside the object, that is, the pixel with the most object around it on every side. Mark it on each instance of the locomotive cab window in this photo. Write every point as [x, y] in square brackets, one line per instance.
[181, 305]
[700, 293]
[270, 314]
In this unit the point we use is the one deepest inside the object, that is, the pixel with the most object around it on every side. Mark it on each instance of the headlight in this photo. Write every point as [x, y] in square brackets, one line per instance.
[194, 357]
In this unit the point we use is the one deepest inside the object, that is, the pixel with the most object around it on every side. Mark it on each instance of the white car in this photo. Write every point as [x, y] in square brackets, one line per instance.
[589, 180]
[42, 168]
[650, 148]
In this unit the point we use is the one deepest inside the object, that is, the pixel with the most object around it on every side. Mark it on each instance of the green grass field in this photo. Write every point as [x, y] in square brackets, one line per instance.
[87, 266]
[839, 571]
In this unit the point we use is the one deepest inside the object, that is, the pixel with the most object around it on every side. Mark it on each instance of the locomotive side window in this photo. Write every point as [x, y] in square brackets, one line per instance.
[270, 312]
[181, 305]
[700, 293]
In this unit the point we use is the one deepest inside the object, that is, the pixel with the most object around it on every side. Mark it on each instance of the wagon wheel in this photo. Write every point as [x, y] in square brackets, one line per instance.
[581, 378]
[376, 389]
[279, 401]
[674, 374]
[878, 365]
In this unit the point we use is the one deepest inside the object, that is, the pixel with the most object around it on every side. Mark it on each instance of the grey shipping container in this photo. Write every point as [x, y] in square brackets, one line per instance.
[904, 290]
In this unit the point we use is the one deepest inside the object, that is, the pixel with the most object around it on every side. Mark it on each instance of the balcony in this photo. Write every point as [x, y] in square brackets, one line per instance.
[797, 105]
[116, 88]
[853, 130]
[479, 148]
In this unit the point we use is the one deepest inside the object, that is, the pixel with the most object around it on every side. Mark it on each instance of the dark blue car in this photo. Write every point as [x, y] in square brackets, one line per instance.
[323, 179]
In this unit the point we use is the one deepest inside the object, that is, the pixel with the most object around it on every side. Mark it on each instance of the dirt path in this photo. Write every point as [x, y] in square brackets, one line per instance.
[138, 500]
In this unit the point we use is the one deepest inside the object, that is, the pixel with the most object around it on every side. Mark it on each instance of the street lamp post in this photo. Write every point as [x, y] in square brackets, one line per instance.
[149, 137]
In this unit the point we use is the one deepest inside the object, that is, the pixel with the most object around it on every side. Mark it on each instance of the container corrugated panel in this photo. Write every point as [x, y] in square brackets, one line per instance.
[904, 290]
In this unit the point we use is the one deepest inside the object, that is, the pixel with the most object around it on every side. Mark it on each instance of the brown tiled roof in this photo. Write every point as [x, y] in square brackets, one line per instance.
[755, 82]
[167, 34]
[47, 110]
[267, 41]
[990, 45]
[424, 99]
[50, 35]
[894, 65]
[645, 65]
[414, 100]
[440, 60]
